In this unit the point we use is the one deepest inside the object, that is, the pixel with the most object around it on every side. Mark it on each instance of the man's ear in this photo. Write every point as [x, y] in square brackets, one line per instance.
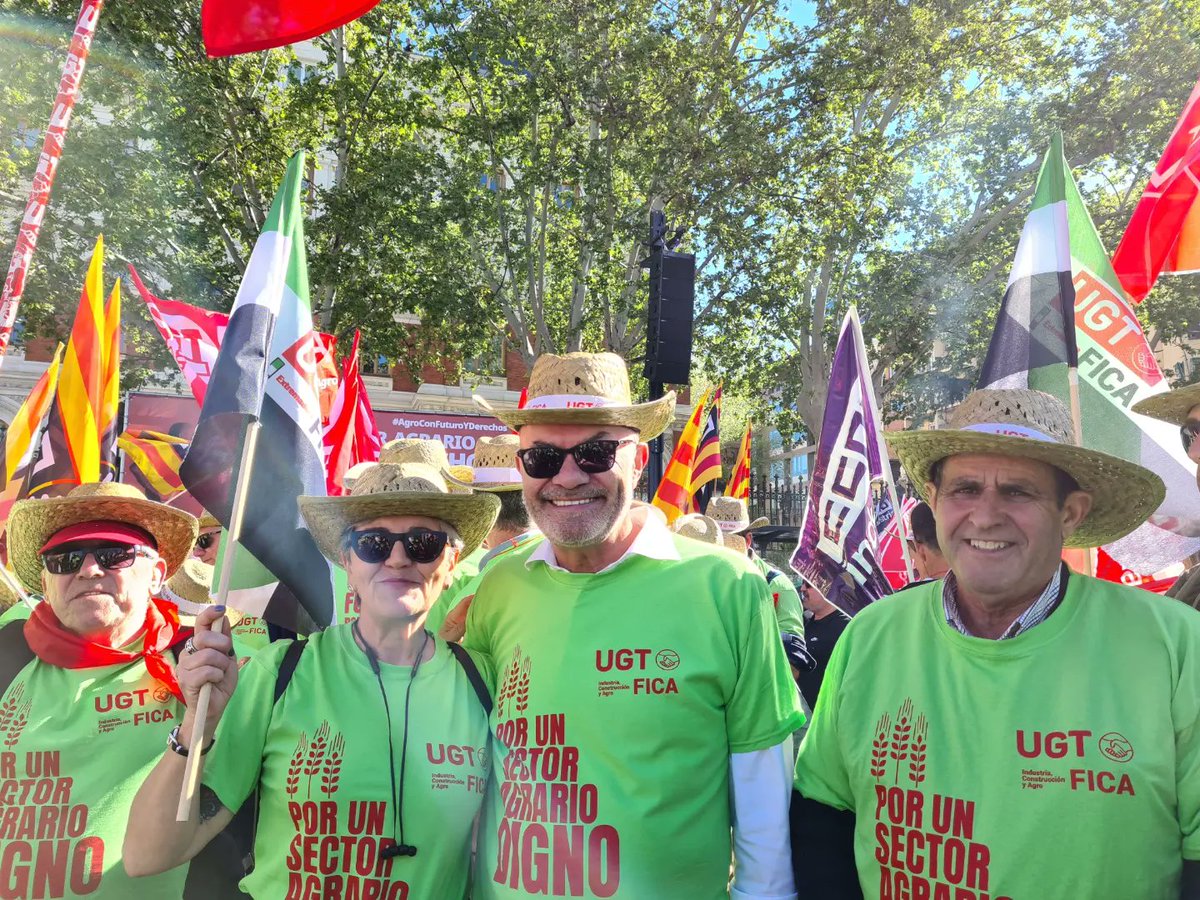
[931, 494]
[159, 578]
[641, 456]
[1074, 510]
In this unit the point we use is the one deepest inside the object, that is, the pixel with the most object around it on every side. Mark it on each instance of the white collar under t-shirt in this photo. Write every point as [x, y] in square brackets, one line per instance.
[653, 541]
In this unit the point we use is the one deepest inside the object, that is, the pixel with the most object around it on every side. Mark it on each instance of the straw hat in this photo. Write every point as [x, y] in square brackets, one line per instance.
[353, 473]
[698, 528]
[208, 520]
[406, 489]
[1170, 406]
[190, 589]
[7, 596]
[424, 451]
[33, 522]
[734, 540]
[1035, 425]
[733, 515]
[495, 466]
[584, 389]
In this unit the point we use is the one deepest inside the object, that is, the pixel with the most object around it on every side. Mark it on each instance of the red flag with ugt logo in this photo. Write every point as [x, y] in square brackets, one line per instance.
[231, 27]
[1163, 234]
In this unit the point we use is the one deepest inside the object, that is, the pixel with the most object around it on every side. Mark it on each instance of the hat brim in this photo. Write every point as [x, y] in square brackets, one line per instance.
[1124, 494]
[649, 419]
[495, 487]
[1170, 406]
[471, 515]
[739, 528]
[32, 522]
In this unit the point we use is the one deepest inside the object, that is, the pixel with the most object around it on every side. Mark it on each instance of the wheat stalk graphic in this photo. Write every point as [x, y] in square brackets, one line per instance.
[8, 709]
[316, 751]
[916, 766]
[879, 746]
[330, 772]
[296, 765]
[901, 733]
[20, 720]
[522, 695]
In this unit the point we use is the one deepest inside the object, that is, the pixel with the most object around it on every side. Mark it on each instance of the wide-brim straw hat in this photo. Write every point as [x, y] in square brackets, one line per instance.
[1170, 406]
[699, 528]
[427, 452]
[208, 520]
[584, 389]
[354, 473]
[495, 467]
[1034, 425]
[407, 489]
[733, 515]
[33, 522]
[7, 595]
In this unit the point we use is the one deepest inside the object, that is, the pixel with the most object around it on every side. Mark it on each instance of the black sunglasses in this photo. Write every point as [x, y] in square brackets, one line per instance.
[1188, 432]
[374, 545]
[592, 457]
[207, 540]
[68, 562]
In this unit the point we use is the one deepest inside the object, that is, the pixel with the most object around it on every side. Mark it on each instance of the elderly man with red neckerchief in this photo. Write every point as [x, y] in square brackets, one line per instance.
[87, 688]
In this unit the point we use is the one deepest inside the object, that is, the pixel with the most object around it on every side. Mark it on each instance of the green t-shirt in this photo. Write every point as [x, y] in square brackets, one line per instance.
[75, 746]
[249, 636]
[457, 592]
[789, 611]
[322, 755]
[1064, 762]
[18, 612]
[620, 697]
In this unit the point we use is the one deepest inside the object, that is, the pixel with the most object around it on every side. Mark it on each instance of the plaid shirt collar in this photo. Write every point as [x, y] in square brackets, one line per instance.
[1041, 609]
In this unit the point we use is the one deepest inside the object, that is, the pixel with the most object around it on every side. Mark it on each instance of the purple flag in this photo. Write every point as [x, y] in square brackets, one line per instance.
[838, 540]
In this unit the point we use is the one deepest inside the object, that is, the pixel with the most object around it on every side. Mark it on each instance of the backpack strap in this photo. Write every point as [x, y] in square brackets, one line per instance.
[15, 653]
[287, 667]
[772, 574]
[473, 676]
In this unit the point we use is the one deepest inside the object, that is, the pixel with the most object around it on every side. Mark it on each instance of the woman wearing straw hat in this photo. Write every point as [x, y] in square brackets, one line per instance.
[370, 766]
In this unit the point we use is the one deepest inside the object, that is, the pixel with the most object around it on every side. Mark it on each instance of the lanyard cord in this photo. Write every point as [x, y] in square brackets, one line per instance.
[399, 848]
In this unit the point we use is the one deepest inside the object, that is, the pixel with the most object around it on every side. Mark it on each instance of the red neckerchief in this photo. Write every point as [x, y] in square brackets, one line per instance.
[57, 646]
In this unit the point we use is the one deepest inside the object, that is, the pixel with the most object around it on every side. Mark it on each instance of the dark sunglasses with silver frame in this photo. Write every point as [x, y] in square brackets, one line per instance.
[113, 556]
[374, 545]
[593, 457]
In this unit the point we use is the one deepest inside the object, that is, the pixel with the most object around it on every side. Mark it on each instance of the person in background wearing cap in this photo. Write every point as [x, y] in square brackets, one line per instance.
[249, 632]
[643, 703]
[370, 767]
[1180, 407]
[732, 516]
[1015, 730]
[494, 472]
[927, 557]
[87, 688]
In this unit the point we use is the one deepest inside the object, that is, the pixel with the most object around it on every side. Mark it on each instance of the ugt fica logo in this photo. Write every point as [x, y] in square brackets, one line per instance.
[636, 658]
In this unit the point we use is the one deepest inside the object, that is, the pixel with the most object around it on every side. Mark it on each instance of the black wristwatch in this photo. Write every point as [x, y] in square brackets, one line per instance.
[175, 747]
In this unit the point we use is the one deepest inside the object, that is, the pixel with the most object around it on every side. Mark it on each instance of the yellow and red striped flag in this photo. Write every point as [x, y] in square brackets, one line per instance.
[674, 494]
[155, 459]
[739, 481]
[110, 396]
[23, 435]
[73, 449]
[707, 468]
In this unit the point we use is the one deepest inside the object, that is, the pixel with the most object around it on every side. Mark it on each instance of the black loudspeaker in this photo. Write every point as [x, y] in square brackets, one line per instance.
[669, 317]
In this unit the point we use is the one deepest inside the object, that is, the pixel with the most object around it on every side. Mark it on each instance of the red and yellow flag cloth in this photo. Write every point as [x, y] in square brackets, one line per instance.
[739, 481]
[79, 444]
[674, 494]
[707, 468]
[154, 459]
[24, 434]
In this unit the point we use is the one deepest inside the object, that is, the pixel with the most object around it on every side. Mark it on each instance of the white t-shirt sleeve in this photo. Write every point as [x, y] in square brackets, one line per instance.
[761, 783]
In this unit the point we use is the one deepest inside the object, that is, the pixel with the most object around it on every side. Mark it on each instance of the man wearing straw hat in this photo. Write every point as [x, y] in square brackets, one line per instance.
[90, 695]
[643, 703]
[1180, 407]
[732, 516]
[495, 472]
[1014, 730]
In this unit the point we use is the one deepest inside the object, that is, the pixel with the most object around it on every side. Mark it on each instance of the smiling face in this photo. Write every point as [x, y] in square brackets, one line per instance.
[1001, 525]
[398, 588]
[576, 509]
[104, 605]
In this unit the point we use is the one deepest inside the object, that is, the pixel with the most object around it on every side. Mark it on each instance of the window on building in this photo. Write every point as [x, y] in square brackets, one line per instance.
[489, 363]
[378, 365]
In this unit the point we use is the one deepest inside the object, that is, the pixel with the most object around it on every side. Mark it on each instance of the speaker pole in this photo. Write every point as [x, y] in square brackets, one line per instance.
[655, 465]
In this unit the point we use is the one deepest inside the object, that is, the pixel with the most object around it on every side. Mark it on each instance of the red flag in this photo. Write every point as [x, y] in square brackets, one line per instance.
[674, 494]
[351, 436]
[231, 27]
[1163, 234]
[739, 481]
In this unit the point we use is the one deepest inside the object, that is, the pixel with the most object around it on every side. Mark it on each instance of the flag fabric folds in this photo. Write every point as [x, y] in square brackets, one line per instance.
[266, 370]
[674, 494]
[230, 27]
[155, 459]
[1163, 234]
[707, 468]
[1115, 363]
[739, 482]
[838, 533]
[24, 436]
[351, 436]
[79, 442]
